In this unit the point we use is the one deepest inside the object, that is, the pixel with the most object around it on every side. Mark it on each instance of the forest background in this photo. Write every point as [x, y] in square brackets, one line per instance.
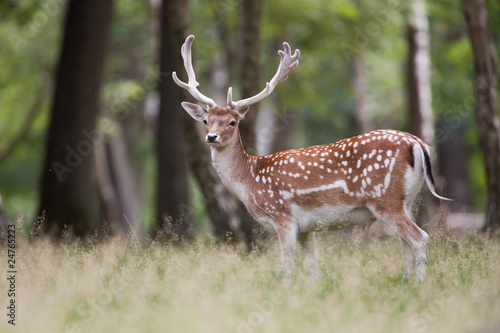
[94, 79]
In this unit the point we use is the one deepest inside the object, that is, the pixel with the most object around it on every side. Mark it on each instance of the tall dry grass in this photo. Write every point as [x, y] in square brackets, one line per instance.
[119, 286]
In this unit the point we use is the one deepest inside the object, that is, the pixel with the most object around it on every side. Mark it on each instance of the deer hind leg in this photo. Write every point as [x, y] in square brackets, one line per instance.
[414, 241]
[287, 235]
[410, 259]
[421, 257]
[307, 242]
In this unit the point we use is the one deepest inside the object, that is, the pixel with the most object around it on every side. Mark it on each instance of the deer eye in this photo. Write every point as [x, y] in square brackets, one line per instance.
[232, 123]
[205, 121]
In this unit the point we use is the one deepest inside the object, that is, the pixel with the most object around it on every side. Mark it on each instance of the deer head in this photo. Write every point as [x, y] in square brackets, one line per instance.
[221, 123]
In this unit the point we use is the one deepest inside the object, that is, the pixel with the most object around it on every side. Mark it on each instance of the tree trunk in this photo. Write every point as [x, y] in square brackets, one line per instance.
[222, 207]
[276, 126]
[486, 103]
[118, 192]
[250, 22]
[68, 192]
[421, 118]
[172, 191]
[109, 204]
[453, 165]
[359, 83]
[283, 126]
[250, 18]
[123, 144]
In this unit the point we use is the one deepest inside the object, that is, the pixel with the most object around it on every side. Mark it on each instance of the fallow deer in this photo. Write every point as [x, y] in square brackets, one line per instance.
[376, 175]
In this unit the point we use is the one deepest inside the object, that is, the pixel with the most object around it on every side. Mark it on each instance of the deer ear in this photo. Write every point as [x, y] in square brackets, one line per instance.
[243, 111]
[194, 110]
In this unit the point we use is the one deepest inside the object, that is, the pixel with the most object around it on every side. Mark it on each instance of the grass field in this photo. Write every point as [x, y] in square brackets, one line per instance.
[120, 286]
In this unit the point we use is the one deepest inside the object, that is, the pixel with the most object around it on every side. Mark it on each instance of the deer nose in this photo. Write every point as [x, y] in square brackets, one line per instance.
[212, 137]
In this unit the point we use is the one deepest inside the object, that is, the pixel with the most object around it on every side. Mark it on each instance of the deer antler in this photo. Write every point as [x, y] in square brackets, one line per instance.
[192, 83]
[287, 64]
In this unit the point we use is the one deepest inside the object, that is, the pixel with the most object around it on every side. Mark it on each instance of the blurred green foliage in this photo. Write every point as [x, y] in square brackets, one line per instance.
[319, 93]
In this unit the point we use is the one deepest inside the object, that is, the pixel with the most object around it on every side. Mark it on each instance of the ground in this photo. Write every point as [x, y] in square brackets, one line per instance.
[120, 286]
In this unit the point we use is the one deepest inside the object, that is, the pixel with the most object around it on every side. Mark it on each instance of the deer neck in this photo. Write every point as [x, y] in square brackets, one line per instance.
[234, 166]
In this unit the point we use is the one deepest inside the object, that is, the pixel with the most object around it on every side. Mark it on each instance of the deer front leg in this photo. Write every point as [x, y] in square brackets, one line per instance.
[287, 235]
[307, 242]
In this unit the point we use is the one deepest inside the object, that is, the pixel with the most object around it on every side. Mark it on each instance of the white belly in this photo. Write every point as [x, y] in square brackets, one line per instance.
[330, 217]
